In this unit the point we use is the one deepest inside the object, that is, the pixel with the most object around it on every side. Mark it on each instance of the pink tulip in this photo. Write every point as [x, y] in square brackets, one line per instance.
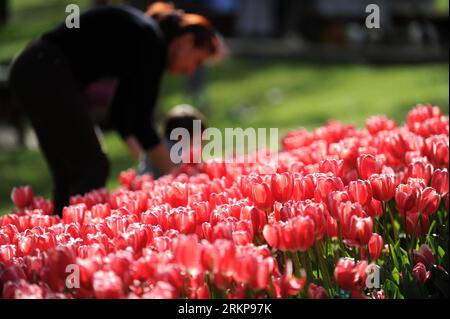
[440, 181]
[22, 196]
[282, 187]
[375, 246]
[383, 186]
[360, 191]
[420, 273]
[368, 165]
[107, 285]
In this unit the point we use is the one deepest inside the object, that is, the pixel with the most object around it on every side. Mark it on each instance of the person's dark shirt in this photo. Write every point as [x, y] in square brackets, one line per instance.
[123, 43]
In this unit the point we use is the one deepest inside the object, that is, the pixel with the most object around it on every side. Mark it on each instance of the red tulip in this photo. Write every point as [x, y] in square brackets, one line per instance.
[302, 232]
[347, 210]
[360, 191]
[383, 186]
[374, 208]
[436, 149]
[406, 197]
[421, 113]
[220, 225]
[287, 285]
[297, 188]
[177, 194]
[360, 230]
[332, 165]
[23, 290]
[55, 273]
[161, 290]
[424, 255]
[241, 237]
[428, 202]
[272, 235]
[417, 183]
[327, 185]
[214, 168]
[202, 210]
[183, 220]
[440, 181]
[262, 195]
[253, 270]
[420, 273]
[74, 214]
[101, 210]
[107, 285]
[282, 186]
[377, 124]
[419, 169]
[187, 253]
[368, 165]
[245, 185]
[316, 292]
[375, 246]
[308, 186]
[12, 273]
[22, 196]
[197, 288]
[317, 212]
[350, 174]
[332, 227]
[126, 178]
[7, 252]
[394, 144]
[413, 156]
[295, 235]
[257, 217]
[417, 224]
[282, 212]
[334, 199]
[361, 273]
[4, 239]
[349, 275]
[379, 294]
[26, 244]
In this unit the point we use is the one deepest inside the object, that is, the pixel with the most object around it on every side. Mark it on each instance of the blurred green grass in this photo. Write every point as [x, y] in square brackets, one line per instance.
[442, 5]
[241, 93]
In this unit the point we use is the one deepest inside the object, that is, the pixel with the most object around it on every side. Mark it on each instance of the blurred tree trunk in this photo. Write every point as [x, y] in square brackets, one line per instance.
[4, 11]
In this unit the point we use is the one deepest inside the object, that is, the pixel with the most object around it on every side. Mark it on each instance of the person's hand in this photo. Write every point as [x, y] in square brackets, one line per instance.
[133, 147]
[160, 158]
[188, 169]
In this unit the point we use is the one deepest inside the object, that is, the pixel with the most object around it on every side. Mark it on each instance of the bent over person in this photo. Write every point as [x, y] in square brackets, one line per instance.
[49, 77]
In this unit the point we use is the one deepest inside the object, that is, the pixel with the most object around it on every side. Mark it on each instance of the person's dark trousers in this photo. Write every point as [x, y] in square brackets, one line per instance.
[43, 84]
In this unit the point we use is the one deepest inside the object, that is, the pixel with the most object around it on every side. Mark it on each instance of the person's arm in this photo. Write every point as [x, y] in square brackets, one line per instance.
[135, 125]
[133, 147]
[132, 114]
[159, 155]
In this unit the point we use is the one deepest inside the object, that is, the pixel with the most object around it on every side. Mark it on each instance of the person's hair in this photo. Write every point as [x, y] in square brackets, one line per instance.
[182, 116]
[174, 23]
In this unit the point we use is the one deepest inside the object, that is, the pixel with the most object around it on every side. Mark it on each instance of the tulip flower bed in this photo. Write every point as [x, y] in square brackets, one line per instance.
[338, 201]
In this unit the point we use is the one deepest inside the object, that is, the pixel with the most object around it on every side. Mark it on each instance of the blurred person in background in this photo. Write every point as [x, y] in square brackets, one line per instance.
[49, 77]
